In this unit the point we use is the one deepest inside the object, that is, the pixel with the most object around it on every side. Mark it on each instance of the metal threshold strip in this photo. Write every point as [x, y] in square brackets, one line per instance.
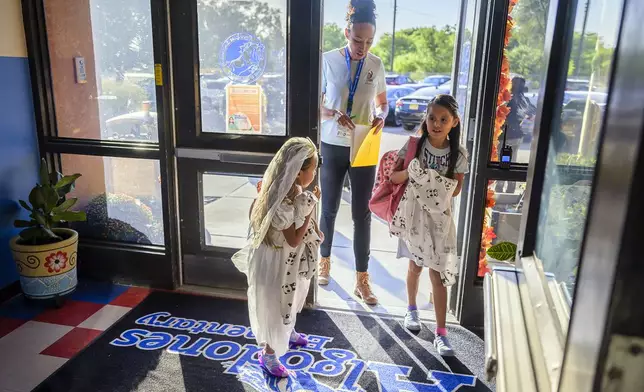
[526, 320]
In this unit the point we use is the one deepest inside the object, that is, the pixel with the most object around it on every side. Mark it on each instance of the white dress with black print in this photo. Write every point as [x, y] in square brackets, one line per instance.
[276, 288]
[424, 222]
[436, 159]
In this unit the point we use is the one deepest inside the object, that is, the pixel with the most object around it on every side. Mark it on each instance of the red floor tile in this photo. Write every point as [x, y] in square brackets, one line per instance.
[70, 344]
[72, 313]
[9, 324]
[132, 297]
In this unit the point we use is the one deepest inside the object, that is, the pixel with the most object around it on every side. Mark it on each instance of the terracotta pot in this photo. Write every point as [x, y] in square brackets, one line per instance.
[47, 271]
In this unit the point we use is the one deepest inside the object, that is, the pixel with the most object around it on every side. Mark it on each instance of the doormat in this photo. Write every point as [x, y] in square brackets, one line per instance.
[181, 342]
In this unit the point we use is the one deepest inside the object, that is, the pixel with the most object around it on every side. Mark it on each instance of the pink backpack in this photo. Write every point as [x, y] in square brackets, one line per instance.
[386, 195]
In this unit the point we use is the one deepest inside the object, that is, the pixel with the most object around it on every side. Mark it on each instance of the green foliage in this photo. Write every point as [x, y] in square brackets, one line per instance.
[575, 160]
[526, 60]
[218, 20]
[526, 47]
[419, 51]
[48, 207]
[503, 251]
[123, 37]
[333, 37]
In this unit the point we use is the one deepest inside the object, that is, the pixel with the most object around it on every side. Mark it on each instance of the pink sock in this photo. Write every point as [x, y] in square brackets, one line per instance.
[441, 331]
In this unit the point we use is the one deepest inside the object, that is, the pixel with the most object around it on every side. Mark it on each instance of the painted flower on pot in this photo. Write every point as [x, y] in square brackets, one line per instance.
[56, 262]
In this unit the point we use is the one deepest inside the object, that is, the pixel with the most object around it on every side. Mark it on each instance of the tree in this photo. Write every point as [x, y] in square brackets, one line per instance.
[526, 61]
[333, 37]
[122, 32]
[526, 47]
[218, 20]
[419, 51]
[530, 18]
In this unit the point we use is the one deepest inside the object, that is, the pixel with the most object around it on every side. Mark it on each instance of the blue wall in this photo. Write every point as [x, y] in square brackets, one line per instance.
[18, 143]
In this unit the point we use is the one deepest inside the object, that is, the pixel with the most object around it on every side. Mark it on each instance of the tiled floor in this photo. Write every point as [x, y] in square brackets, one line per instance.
[35, 340]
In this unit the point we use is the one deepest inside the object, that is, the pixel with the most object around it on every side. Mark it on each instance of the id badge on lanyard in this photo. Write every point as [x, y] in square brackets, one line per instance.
[353, 86]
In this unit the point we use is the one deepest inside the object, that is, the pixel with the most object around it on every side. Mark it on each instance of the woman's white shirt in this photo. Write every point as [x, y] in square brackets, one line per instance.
[335, 87]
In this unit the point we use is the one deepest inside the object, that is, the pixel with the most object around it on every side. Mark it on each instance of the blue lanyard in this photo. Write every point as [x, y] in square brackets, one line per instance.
[353, 84]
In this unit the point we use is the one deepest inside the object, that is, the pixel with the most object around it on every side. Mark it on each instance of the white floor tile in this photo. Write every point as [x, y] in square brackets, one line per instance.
[30, 338]
[104, 318]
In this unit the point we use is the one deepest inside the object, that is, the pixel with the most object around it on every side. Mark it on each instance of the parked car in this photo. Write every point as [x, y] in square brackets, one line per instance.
[597, 97]
[213, 93]
[416, 86]
[578, 85]
[397, 80]
[138, 126]
[436, 80]
[393, 93]
[147, 83]
[572, 121]
[445, 88]
[410, 109]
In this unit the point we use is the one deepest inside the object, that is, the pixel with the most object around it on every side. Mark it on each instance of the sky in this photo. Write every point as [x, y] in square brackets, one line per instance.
[602, 18]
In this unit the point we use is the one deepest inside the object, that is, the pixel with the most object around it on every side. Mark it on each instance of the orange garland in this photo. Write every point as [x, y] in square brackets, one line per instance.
[502, 112]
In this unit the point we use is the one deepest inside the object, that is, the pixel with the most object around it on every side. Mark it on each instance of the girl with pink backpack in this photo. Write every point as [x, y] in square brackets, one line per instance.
[432, 166]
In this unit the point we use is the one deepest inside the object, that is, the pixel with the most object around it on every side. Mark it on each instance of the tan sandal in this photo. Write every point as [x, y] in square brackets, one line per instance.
[325, 271]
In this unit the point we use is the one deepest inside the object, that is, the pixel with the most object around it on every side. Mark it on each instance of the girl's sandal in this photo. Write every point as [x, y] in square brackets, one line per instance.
[301, 341]
[276, 371]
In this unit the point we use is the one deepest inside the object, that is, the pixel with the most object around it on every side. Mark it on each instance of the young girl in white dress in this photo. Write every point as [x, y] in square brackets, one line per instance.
[438, 149]
[282, 252]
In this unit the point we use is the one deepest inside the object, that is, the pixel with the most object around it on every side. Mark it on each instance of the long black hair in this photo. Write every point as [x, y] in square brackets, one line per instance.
[361, 11]
[449, 103]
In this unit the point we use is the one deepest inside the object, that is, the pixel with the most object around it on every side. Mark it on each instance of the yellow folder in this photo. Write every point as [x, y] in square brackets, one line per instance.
[368, 152]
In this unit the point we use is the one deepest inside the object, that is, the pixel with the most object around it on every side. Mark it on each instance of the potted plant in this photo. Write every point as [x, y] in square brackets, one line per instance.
[45, 253]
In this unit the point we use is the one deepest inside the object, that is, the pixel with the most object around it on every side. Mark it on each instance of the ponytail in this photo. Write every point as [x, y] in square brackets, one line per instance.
[423, 136]
[454, 149]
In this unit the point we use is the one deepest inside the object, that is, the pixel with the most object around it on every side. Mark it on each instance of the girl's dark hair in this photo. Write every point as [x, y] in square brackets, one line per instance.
[449, 103]
[361, 11]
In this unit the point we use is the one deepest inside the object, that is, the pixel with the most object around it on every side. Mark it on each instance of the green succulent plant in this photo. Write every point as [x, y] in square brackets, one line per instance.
[48, 207]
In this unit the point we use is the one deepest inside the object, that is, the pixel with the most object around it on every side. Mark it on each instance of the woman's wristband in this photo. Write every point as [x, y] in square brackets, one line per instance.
[382, 112]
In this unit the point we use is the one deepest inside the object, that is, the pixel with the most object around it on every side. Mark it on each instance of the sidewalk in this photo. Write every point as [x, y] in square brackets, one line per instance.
[227, 202]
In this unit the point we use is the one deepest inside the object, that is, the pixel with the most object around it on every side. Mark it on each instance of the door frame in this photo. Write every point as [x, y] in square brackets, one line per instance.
[101, 259]
[195, 152]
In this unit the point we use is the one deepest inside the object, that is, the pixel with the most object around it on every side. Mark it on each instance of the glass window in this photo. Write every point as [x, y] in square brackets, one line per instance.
[102, 69]
[573, 146]
[463, 86]
[226, 205]
[121, 196]
[242, 58]
[502, 220]
[520, 81]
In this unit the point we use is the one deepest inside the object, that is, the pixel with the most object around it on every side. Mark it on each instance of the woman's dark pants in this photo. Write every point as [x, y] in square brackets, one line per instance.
[335, 165]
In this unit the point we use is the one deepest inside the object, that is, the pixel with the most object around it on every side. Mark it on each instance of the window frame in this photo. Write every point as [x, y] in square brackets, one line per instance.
[301, 114]
[132, 260]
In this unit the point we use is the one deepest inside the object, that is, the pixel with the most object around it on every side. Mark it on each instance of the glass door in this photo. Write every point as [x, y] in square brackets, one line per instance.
[240, 93]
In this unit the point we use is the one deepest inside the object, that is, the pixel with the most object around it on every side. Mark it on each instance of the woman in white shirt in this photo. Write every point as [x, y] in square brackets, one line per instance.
[354, 92]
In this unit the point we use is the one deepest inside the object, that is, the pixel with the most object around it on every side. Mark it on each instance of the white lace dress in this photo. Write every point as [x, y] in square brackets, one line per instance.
[268, 267]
